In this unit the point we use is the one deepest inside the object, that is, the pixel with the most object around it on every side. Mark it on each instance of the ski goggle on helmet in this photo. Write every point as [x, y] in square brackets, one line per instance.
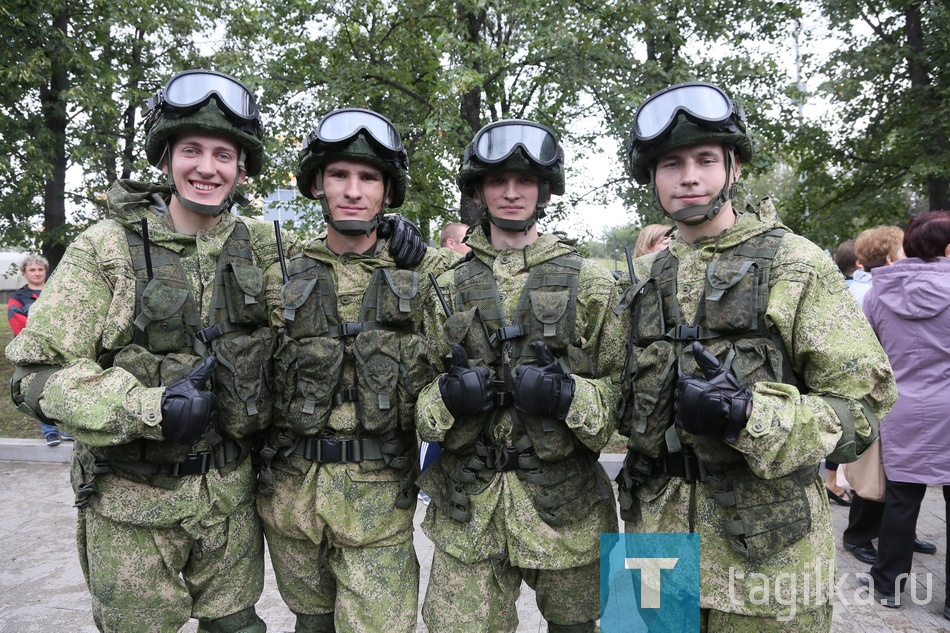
[702, 103]
[342, 126]
[495, 143]
[189, 91]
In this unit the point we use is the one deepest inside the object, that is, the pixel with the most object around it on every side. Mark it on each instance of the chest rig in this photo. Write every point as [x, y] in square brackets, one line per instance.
[379, 363]
[168, 342]
[544, 452]
[760, 517]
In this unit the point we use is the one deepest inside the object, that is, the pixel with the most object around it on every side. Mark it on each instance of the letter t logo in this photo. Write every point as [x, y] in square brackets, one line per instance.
[650, 578]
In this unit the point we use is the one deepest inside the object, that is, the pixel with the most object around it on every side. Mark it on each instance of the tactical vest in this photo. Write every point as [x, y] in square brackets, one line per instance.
[767, 515]
[545, 453]
[167, 344]
[390, 364]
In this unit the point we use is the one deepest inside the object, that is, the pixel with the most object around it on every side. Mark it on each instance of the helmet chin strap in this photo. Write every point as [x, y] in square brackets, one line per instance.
[351, 228]
[517, 226]
[233, 197]
[699, 213]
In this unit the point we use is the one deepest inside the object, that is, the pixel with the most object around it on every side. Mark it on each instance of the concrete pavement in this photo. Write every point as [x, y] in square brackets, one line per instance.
[42, 588]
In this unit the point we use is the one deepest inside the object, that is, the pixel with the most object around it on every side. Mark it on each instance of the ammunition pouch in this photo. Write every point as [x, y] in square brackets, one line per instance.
[763, 516]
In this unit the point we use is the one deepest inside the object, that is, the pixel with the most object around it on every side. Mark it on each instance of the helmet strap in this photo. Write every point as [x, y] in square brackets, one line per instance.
[699, 213]
[350, 228]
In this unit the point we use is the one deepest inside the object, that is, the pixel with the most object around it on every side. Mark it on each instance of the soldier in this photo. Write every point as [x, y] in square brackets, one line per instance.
[120, 350]
[338, 494]
[525, 406]
[748, 363]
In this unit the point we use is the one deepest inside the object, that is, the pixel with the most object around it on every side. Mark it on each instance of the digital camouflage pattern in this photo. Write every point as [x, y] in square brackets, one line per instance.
[336, 540]
[834, 350]
[505, 527]
[88, 308]
[476, 597]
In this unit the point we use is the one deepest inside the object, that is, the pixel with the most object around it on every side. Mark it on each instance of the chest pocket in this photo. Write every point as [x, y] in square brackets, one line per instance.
[304, 314]
[732, 296]
[397, 298]
[243, 292]
[551, 322]
[162, 317]
[648, 319]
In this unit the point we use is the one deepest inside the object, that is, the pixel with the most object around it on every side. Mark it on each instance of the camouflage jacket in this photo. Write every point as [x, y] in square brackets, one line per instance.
[327, 490]
[836, 354]
[504, 520]
[88, 308]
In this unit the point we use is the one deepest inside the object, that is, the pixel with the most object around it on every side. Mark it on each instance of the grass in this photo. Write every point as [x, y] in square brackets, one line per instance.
[12, 422]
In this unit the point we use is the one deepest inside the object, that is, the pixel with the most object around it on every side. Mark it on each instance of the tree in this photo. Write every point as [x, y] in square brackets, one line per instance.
[71, 82]
[881, 152]
[441, 69]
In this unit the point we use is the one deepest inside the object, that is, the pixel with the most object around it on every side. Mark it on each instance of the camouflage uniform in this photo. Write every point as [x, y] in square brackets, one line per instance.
[843, 375]
[156, 548]
[339, 527]
[493, 528]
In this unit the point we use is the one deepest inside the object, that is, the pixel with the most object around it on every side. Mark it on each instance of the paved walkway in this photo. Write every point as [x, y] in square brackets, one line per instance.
[42, 589]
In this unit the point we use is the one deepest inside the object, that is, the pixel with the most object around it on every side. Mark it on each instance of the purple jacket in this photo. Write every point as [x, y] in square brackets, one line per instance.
[908, 309]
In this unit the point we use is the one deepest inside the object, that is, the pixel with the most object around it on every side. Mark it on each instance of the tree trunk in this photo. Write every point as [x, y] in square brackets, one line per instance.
[938, 186]
[471, 106]
[54, 116]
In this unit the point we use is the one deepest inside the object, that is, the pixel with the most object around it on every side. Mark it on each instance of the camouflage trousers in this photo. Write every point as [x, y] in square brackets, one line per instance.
[815, 621]
[480, 597]
[147, 579]
[366, 588]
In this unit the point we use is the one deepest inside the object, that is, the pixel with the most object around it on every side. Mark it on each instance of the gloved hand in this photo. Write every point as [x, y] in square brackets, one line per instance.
[545, 388]
[187, 407]
[714, 405]
[405, 241]
[466, 391]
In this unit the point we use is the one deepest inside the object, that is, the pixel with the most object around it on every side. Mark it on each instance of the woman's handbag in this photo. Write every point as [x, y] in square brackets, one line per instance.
[866, 475]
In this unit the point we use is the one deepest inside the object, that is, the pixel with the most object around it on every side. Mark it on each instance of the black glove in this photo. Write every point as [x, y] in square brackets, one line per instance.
[714, 405]
[187, 407]
[405, 241]
[466, 391]
[544, 389]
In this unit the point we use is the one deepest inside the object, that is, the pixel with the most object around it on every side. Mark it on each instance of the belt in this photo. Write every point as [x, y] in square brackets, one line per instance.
[200, 463]
[687, 467]
[496, 458]
[339, 450]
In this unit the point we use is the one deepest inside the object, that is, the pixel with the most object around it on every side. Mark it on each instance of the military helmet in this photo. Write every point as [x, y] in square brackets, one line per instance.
[684, 115]
[359, 135]
[205, 101]
[513, 145]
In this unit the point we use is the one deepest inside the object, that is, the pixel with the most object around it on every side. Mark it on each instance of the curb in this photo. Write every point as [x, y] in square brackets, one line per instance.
[23, 450]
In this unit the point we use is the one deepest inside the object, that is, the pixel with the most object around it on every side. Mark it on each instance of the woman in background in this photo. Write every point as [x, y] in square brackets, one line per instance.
[909, 308]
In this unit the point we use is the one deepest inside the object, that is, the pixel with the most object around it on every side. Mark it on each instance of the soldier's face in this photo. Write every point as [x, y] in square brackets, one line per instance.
[354, 190]
[691, 176]
[205, 167]
[510, 195]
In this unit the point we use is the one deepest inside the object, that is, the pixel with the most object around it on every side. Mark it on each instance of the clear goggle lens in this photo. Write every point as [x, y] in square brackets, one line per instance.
[193, 88]
[702, 103]
[343, 125]
[496, 143]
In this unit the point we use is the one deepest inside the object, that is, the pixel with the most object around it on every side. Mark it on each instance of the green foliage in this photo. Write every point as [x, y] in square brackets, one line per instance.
[73, 75]
[881, 153]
